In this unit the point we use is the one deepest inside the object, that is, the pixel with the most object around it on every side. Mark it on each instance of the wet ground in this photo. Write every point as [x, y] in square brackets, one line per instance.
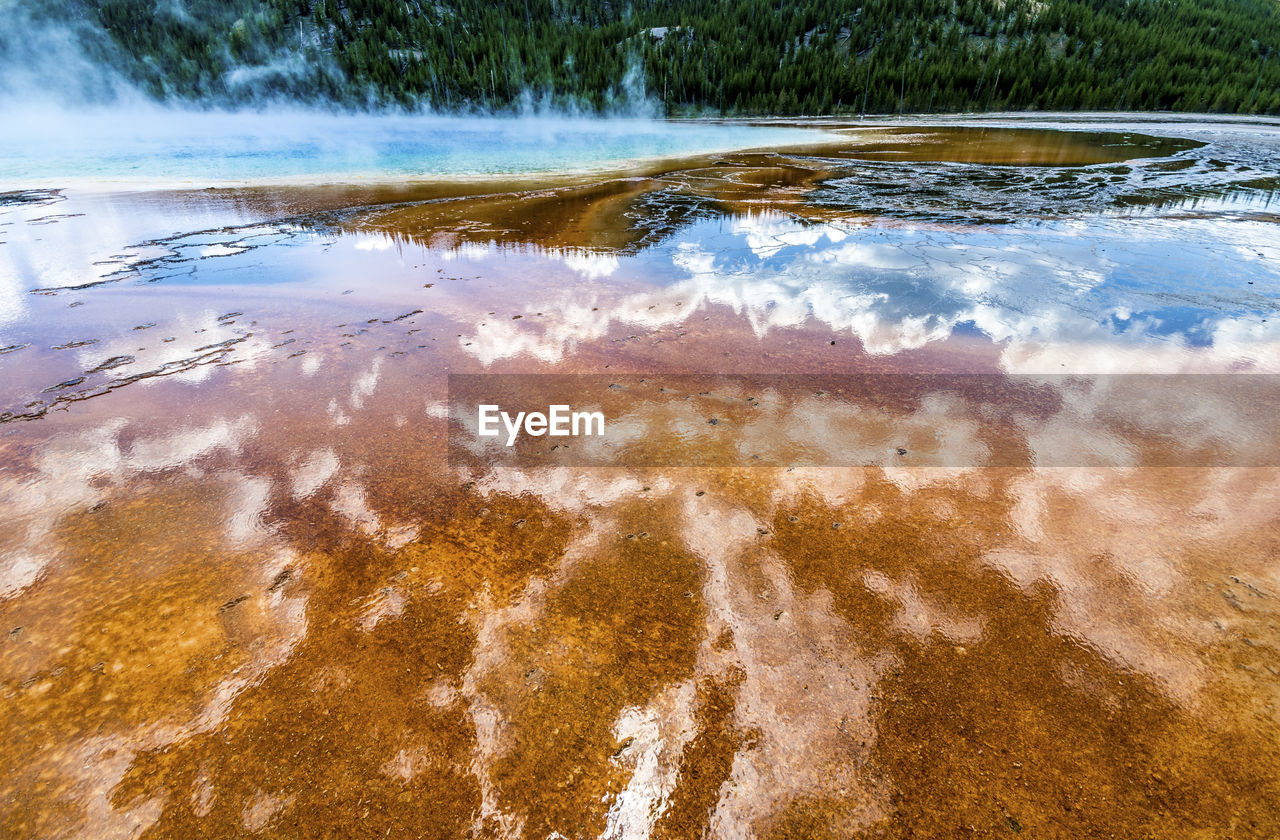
[248, 588]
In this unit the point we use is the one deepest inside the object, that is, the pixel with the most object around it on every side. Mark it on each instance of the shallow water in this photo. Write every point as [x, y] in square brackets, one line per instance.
[249, 587]
[164, 146]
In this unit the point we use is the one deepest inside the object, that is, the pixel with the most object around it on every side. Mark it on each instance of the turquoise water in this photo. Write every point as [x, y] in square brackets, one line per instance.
[150, 145]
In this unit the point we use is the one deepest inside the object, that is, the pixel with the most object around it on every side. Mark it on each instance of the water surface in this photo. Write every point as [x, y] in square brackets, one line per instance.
[161, 146]
[246, 590]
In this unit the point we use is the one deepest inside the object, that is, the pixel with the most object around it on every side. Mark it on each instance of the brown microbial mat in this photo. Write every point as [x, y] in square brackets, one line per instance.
[248, 589]
[1015, 146]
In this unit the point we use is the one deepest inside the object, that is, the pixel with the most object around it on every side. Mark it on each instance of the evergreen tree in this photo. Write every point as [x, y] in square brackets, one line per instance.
[735, 57]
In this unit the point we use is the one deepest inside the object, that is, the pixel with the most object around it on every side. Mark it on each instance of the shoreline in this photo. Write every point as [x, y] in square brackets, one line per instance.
[833, 132]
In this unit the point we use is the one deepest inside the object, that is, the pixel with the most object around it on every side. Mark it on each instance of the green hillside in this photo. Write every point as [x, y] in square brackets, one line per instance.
[695, 56]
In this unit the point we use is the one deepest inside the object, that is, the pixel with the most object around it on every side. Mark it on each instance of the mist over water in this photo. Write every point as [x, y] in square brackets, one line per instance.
[71, 118]
[151, 144]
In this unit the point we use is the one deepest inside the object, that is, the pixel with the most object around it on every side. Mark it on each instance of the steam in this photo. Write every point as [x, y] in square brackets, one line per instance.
[77, 107]
[58, 54]
[631, 98]
[51, 61]
[155, 144]
[50, 57]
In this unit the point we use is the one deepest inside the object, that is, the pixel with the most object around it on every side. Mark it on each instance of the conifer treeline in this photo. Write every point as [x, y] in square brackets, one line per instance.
[701, 56]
